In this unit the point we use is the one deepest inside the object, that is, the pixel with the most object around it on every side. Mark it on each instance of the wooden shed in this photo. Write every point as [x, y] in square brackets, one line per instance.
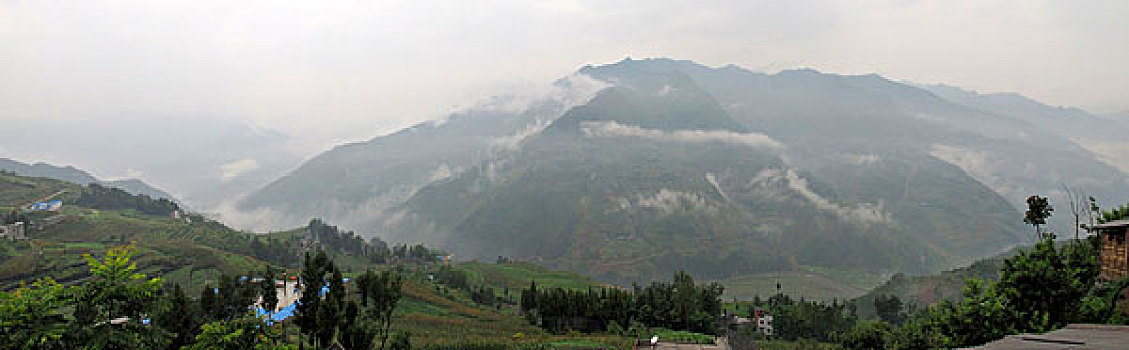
[1115, 257]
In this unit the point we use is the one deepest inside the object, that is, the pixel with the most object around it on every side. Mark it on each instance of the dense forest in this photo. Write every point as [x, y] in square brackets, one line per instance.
[374, 251]
[101, 197]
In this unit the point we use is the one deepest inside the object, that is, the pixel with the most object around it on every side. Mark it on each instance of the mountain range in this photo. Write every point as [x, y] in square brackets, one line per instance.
[78, 176]
[629, 171]
[205, 161]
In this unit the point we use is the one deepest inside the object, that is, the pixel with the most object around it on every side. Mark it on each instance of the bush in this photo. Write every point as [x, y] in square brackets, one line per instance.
[868, 335]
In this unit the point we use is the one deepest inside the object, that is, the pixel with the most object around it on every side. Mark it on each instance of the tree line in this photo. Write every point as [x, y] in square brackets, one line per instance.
[102, 197]
[679, 305]
[795, 319]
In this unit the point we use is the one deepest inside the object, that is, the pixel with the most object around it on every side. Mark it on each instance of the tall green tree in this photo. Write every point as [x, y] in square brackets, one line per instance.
[177, 316]
[1038, 211]
[313, 278]
[111, 308]
[34, 317]
[267, 290]
[246, 331]
[209, 306]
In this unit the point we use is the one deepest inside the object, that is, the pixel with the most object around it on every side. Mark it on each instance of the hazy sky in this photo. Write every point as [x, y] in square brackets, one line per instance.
[324, 72]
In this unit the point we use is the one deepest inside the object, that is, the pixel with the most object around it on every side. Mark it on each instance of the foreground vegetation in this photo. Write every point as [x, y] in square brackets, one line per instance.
[1039, 290]
[192, 255]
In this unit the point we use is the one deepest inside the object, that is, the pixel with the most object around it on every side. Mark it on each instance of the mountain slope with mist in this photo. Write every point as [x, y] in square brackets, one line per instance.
[718, 171]
[355, 184]
[78, 176]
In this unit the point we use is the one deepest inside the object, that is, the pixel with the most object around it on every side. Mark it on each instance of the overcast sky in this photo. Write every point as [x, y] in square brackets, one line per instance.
[325, 72]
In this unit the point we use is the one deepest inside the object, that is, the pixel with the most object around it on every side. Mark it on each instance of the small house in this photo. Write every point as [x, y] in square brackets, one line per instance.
[1114, 256]
[13, 231]
[763, 320]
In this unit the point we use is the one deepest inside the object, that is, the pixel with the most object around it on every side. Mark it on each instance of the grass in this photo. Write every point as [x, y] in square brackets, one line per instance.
[803, 344]
[809, 285]
[517, 275]
[684, 337]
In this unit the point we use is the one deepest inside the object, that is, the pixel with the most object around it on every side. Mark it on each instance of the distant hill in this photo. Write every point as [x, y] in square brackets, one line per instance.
[205, 160]
[928, 290]
[78, 176]
[724, 172]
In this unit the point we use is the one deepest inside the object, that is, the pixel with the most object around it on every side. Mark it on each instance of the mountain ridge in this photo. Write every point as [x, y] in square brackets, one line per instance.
[794, 168]
[75, 175]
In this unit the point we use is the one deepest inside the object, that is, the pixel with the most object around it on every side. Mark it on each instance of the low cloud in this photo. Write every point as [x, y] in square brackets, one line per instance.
[865, 213]
[713, 182]
[260, 219]
[862, 159]
[572, 91]
[1115, 154]
[778, 184]
[668, 201]
[234, 169]
[980, 166]
[614, 129]
[442, 172]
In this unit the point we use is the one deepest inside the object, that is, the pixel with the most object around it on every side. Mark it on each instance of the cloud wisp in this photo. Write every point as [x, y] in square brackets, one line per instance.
[614, 129]
[770, 182]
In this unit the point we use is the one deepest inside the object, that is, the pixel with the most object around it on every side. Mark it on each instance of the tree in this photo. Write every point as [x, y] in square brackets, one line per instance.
[313, 279]
[889, 308]
[209, 310]
[1078, 207]
[234, 297]
[386, 292]
[1038, 211]
[32, 317]
[982, 316]
[1047, 283]
[331, 309]
[267, 290]
[686, 297]
[177, 317]
[246, 331]
[111, 308]
[869, 335]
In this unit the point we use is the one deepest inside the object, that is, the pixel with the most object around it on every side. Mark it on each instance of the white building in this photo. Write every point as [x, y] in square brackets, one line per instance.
[13, 231]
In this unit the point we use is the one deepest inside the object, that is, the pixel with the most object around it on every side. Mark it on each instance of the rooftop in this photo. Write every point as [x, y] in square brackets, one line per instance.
[1074, 336]
[1112, 224]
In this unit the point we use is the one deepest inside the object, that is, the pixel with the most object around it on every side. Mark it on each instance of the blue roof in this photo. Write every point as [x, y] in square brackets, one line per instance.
[45, 205]
[283, 314]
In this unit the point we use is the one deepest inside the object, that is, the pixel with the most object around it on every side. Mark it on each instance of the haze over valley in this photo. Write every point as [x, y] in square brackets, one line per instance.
[510, 174]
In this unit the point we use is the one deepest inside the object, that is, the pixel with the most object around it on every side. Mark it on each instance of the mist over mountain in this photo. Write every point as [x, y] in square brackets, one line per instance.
[359, 183]
[720, 171]
[202, 161]
[78, 176]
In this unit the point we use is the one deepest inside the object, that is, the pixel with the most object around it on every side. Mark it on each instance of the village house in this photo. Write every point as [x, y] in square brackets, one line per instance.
[761, 321]
[1114, 255]
[13, 231]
